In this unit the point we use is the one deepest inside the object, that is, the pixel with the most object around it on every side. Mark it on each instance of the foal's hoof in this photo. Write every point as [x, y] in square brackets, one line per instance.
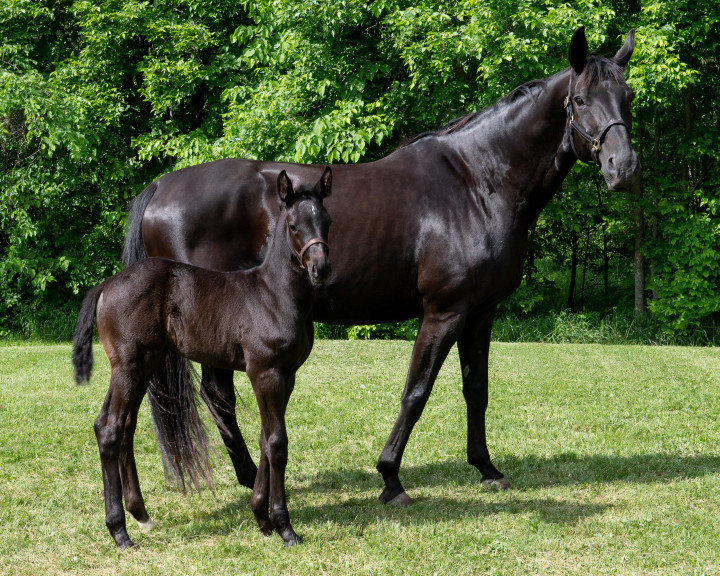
[146, 526]
[500, 484]
[292, 540]
[402, 500]
[124, 544]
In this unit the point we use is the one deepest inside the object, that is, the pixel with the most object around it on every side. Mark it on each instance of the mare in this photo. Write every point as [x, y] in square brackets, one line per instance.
[256, 320]
[436, 230]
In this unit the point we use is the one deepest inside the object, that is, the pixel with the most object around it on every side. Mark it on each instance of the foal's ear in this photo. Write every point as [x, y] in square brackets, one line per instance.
[324, 185]
[578, 50]
[285, 189]
[623, 55]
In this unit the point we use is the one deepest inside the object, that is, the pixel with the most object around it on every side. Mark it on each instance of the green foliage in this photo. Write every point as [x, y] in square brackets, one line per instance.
[99, 98]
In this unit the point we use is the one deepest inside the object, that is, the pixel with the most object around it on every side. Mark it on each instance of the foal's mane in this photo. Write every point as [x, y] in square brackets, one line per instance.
[597, 69]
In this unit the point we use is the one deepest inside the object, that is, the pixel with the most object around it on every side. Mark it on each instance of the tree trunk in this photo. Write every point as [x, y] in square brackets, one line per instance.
[638, 216]
[573, 272]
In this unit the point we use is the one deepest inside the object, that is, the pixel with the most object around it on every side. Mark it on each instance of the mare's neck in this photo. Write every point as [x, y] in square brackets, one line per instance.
[520, 149]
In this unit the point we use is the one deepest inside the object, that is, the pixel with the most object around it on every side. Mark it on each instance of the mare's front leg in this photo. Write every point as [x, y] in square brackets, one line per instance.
[436, 336]
[474, 349]
[124, 392]
[272, 391]
[218, 392]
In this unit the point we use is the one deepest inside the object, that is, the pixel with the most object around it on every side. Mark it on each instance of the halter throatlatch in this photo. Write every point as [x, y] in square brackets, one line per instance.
[595, 143]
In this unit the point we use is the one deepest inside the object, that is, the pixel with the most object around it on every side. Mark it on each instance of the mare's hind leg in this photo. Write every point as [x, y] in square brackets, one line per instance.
[219, 394]
[124, 392]
[474, 348]
[128, 472]
[436, 336]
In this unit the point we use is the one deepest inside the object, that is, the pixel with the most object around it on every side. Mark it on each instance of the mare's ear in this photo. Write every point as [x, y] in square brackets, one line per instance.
[285, 189]
[623, 55]
[324, 185]
[578, 50]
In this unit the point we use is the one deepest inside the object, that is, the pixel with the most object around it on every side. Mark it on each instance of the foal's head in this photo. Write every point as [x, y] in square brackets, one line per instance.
[307, 223]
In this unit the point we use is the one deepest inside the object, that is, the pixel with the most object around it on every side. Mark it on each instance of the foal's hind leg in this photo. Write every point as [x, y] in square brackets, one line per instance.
[122, 394]
[128, 472]
[219, 394]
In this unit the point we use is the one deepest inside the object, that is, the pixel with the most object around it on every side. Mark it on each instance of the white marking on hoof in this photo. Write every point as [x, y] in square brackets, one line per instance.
[402, 500]
[500, 484]
[147, 526]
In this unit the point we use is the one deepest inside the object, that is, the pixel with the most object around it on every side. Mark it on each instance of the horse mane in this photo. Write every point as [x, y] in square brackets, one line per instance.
[528, 90]
[597, 69]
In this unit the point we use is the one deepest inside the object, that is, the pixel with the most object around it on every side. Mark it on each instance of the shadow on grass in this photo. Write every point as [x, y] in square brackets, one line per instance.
[525, 473]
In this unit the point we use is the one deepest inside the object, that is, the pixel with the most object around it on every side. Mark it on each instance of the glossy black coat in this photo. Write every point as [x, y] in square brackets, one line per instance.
[437, 230]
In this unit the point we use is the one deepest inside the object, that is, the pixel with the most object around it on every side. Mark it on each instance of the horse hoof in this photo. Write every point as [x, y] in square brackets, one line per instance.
[147, 525]
[402, 500]
[500, 484]
[293, 540]
[124, 544]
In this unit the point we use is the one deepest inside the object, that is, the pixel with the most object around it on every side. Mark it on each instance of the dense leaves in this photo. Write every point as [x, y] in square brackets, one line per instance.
[99, 98]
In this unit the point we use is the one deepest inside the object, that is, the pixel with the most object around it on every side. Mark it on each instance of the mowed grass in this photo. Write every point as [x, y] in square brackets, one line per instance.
[613, 453]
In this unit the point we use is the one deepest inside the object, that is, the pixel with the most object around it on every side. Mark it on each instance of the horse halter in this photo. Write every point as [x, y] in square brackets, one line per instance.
[595, 143]
[300, 255]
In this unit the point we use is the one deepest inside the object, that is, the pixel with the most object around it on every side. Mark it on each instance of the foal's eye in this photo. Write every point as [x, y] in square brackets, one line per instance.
[293, 227]
[579, 101]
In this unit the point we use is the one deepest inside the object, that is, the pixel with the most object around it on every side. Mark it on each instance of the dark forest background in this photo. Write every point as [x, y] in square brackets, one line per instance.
[99, 98]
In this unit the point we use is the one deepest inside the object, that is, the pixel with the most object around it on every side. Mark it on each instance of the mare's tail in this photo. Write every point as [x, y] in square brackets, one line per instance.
[133, 248]
[173, 389]
[173, 393]
[82, 358]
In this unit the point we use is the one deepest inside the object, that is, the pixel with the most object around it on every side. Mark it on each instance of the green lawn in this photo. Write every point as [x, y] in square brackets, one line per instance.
[613, 455]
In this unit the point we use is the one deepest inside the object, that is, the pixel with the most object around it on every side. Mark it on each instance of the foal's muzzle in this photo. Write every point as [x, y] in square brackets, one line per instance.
[315, 259]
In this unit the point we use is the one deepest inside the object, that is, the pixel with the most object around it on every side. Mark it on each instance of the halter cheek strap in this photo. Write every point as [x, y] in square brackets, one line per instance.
[595, 143]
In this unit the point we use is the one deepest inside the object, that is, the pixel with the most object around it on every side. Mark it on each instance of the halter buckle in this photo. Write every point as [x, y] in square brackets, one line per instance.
[596, 145]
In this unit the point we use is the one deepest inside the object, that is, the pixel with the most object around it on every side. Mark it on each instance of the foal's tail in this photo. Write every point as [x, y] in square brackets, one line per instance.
[173, 388]
[173, 396]
[133, 248]
[82, 358]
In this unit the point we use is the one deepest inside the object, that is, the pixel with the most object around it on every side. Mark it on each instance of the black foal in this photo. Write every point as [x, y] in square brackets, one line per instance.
[258, 321]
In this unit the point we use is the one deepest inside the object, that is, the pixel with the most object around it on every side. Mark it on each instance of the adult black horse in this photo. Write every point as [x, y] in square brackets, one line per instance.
[437, 230]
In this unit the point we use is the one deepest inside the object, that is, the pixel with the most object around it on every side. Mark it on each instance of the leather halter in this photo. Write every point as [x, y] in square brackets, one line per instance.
[300, 255]
[595, 143]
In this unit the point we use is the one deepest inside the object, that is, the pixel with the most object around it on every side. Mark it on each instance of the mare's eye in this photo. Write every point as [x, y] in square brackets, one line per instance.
[293, 228]
[579, 101]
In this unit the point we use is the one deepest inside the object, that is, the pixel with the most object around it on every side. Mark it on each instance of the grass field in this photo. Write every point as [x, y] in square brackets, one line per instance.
[613, 455]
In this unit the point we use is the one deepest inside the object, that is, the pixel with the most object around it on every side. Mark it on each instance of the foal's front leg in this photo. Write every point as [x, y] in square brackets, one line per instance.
[272, 391]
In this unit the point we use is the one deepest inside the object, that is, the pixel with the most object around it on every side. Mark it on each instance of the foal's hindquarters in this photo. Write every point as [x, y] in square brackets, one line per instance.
[257, 320]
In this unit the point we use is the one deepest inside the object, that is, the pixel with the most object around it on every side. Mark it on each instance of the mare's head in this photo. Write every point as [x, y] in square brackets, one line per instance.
[308, 223]
[598, 108]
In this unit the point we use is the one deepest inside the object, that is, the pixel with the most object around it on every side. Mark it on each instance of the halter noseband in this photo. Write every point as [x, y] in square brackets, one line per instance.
[595, 143]
[300, 255]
